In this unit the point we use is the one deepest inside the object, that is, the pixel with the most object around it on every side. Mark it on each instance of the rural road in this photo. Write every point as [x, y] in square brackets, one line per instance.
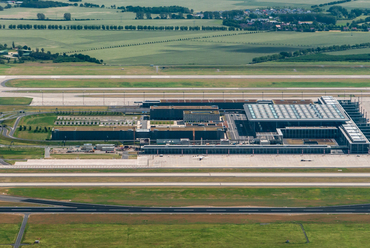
[211, 174]
[71, 207]
[185, 184]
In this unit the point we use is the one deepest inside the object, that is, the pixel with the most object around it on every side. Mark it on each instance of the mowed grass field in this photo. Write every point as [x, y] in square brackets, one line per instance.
[9, 227]
[269, 68]
[15, 101]
[190, 83]
[43, 120]
[323, 231]
[273, 197]
[21, 153]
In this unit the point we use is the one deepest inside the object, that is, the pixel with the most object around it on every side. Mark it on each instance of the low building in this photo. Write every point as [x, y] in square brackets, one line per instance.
[201, 116]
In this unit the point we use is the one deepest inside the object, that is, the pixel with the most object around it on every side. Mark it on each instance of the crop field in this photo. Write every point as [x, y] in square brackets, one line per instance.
[204, 231]
[204, 5]
[273, 197]
[226, 50]
[111, 17]
[297, 38]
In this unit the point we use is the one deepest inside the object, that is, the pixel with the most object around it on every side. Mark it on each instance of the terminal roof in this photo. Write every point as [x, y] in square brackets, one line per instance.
[297, 112]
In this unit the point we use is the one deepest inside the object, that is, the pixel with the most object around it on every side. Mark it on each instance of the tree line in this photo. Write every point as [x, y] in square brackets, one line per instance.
[308, 51]
[115, 27]
[42, 4]
[330, 3]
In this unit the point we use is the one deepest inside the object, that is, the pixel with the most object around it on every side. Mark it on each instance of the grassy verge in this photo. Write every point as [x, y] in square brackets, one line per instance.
[190, 83]
[202, 196]
[197, 231]
[9, 227]
[15, 100]
[21, 153]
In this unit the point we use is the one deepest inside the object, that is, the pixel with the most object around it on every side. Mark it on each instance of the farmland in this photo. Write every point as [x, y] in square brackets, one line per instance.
[168, 49]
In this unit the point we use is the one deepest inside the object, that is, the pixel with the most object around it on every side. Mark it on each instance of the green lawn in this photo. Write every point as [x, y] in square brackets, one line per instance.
[232, 83]
[203, 196]
[43, 120]
[269, 235]
[191, 235]
[15, 101]
[21, 153]
[8, 233]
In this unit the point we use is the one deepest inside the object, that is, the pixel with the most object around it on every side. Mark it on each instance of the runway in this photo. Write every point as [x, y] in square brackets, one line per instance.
[70, 207]
[210, 174]
[186, 184]
[43, 98]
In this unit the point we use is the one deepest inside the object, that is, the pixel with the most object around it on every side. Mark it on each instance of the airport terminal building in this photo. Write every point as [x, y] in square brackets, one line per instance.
[325, 126]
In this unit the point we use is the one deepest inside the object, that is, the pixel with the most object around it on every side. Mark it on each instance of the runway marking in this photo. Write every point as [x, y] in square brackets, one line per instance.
[281, 210]
[215, 210]
[151, 209]
[345, 210]
[312, 210]
[21, 209]
[118, 209]
[56, 209]
[247, 210]
[86, 210]
[183, 210]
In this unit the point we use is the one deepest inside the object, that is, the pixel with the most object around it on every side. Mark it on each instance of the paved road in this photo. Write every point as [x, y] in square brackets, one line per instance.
[185, 184]
[75, 99]
[71, 207]
[21, 232]
[210, 174]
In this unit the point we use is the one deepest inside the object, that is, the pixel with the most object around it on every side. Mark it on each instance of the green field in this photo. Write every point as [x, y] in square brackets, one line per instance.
[8, 233]
[204, 5]
[197, 235]
[251, 83]
[203, 196]
[43, 120]
[15, 101]
[21, 153]
[268, 68]
[225, 50]
[191, 235]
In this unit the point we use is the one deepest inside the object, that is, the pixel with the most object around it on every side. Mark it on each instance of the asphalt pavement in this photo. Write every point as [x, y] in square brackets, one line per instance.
[186, 184]
[208, 174]
[70, 207]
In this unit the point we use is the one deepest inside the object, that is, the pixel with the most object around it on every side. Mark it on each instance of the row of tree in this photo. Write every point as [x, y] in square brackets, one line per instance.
[42, 4]
[36, 130]
[330, 3]
[66, 16]
[115, 27]
[308, 51]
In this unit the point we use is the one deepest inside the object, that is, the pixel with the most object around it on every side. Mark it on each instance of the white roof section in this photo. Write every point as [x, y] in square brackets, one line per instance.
[296, 112]
[328, 100]
[354, 133]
